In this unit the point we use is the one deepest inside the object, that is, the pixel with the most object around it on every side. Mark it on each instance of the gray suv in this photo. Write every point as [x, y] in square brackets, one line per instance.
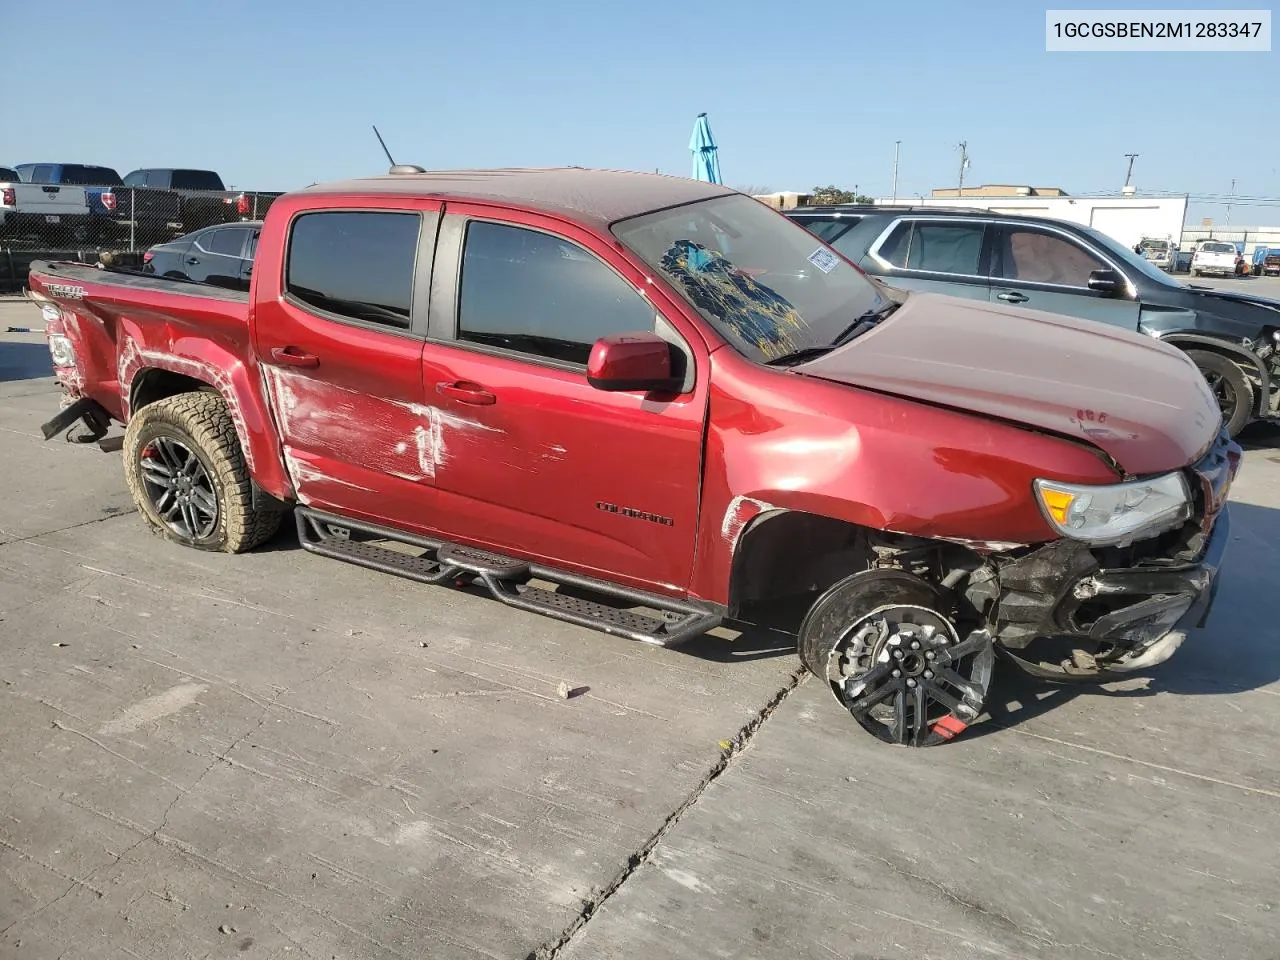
[1062, 267]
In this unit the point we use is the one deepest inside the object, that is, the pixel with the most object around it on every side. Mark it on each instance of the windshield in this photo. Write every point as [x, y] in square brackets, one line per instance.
[1155, 246]
[1217, 248]
[1130, 259]
[766, 284]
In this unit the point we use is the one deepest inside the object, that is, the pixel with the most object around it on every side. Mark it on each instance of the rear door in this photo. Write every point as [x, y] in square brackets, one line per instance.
[342, 356]
[1043, 268]
[216, 257]
[948, 255]
[529, 457]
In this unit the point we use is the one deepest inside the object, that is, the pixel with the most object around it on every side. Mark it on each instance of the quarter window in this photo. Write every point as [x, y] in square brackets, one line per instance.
[954, 248]
[1033, 256]
[829, 230]
[355, 264]
[537, 294]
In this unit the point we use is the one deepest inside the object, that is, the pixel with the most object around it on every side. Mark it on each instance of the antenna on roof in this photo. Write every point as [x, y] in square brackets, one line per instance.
[396, 168]
[390, 159]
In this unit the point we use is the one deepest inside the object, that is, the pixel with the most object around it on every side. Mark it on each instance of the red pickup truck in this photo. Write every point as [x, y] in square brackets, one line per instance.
[639, 403]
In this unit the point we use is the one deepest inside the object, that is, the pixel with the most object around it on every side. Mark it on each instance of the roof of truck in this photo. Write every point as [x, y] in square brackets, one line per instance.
[596, 198]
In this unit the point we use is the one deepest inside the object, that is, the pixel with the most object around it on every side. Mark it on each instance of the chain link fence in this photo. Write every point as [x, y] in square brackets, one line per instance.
[63, 222]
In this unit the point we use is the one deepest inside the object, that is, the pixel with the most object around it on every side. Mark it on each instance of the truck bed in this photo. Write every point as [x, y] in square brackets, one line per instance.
[71, 273]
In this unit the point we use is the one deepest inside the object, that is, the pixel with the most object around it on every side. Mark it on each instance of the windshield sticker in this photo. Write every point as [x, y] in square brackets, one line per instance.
[824, 259]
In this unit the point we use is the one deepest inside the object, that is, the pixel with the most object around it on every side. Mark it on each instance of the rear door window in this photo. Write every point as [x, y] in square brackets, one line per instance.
[935, 247]
[229, 241]
[356, 265]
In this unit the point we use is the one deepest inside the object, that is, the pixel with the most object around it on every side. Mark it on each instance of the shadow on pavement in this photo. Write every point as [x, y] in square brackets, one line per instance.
[1260, 436]
[24, 361]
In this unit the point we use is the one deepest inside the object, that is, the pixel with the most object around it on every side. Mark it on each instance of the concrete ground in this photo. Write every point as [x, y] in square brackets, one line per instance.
[280, 756]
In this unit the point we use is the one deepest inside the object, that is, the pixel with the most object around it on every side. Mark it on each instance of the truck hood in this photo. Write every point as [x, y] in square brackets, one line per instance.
[1141, 402]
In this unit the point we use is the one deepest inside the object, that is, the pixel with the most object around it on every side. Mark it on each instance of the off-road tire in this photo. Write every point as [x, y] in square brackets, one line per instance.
[200, 422]
[1214, 365]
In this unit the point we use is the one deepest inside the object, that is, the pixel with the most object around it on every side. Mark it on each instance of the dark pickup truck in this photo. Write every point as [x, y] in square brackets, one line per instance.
[116, 212]
[205, 199]
[644, 404]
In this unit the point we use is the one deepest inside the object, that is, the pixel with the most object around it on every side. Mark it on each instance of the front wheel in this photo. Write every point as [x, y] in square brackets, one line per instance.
[188, 476]
[1230, 387]
[893, 659]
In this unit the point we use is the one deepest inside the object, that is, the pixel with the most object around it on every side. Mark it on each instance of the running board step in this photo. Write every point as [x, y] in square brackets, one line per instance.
[666, 622]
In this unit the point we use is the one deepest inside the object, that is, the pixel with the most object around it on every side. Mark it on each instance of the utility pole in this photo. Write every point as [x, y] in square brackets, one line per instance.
[1233, 193]
[1128, 175]
[964, 162]
[897, 145]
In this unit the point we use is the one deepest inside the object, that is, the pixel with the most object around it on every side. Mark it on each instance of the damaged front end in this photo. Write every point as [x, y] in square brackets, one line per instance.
[907, 645]
[1070, 611]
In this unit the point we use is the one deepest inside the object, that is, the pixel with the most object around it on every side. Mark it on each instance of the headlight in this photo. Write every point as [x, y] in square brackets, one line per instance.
[61, 351]
[1118, 513]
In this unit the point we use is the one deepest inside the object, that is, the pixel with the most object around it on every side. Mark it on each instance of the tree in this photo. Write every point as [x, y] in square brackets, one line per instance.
[833, 194]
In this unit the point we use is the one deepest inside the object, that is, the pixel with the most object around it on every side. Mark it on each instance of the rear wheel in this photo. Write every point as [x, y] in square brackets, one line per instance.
[188, 477]
[1230, 386]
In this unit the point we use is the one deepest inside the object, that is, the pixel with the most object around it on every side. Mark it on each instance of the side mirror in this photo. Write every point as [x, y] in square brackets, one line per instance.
[1106, 282]
[631, 361]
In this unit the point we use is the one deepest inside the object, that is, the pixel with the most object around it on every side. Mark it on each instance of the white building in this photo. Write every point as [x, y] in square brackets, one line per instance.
[1126, 218]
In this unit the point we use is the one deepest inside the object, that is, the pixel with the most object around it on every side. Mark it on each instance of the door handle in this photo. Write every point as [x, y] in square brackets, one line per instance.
[293, 357]
[1012, 296]
[464, 391]
[193, 260]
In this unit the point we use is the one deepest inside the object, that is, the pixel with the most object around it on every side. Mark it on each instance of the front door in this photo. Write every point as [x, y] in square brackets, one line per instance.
[1043, 269]
[529, 457]
[342, 360]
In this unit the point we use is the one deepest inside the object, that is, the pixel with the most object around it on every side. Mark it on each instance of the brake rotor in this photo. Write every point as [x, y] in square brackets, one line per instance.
[907, 678]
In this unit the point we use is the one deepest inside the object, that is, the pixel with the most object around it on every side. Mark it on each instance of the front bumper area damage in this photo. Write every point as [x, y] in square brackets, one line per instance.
[1066, 611]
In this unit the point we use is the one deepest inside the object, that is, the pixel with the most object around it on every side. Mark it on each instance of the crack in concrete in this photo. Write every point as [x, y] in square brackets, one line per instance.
[124, 512]
[551, 949]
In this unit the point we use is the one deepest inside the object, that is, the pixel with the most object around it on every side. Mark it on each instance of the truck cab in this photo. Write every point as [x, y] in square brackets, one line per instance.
[1162, 252]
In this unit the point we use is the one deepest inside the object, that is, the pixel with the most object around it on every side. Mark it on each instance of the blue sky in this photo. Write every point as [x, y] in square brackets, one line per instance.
[280, 93]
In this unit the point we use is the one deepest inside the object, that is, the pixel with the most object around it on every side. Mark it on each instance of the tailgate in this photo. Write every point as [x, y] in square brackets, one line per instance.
[49, 198]
[138, 203]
